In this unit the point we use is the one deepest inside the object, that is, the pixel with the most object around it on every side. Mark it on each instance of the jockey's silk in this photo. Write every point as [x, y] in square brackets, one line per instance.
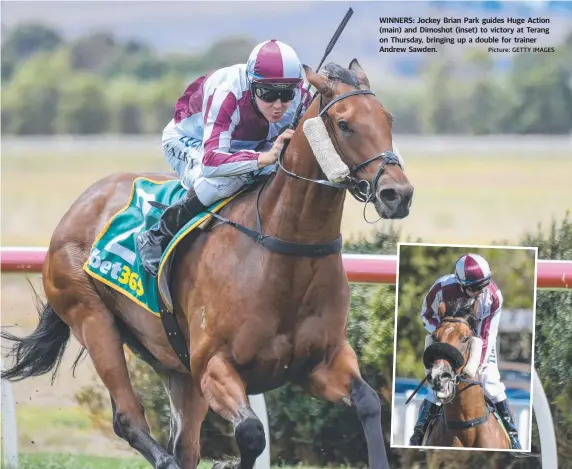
[446, 289]
[216, 117]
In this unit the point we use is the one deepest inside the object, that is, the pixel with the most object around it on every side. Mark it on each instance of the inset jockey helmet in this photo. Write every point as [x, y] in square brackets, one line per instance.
[472, 272]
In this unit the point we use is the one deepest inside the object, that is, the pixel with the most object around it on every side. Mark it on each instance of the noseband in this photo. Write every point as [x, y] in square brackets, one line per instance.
[446, 351]
[440, 350]
[361, 189]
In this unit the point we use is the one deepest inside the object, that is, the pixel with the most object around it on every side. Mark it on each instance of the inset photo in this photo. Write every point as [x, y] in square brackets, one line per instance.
[464, 347]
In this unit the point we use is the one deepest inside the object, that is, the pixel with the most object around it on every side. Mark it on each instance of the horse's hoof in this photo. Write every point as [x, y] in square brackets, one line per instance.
[230, 464]
[167, 462]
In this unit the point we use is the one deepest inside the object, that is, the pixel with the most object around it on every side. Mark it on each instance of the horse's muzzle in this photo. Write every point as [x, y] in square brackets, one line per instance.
[394, 200]
[443, 383]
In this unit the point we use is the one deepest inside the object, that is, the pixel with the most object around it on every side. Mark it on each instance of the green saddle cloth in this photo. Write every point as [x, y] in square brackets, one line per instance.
[114, 258]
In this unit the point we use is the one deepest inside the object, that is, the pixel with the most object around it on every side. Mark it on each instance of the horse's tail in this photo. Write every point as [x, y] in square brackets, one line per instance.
[41, 351]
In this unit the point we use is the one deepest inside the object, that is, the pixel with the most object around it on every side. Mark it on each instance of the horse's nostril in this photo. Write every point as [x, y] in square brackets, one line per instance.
[388, 195]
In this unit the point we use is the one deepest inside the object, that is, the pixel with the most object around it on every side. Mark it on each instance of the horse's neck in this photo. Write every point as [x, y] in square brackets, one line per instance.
[468, 404]
[299, 210]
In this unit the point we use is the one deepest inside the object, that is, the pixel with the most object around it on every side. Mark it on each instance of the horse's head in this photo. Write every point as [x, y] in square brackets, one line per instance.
[361, 131]
[453, 350]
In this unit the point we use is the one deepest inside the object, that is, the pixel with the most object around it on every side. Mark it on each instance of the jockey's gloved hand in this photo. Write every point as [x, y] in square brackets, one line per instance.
[283, 129]
[280, 132]
[270, 157]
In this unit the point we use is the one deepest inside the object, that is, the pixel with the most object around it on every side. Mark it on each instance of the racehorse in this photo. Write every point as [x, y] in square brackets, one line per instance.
[255, 315]
[466, 420]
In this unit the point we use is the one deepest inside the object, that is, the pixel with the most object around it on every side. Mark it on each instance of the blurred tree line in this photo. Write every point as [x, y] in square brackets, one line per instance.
[98, 84]
[317, 433]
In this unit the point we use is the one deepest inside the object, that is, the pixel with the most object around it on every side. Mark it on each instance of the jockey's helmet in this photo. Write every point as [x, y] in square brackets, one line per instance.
[473, 273]
[273, 65]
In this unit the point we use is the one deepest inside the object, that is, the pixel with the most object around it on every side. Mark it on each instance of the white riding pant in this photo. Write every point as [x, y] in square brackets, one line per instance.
[490, 377]
[184, 156]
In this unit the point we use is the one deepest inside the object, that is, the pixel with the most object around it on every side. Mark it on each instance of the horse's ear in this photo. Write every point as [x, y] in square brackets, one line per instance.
[320, 82]
[442, 309]
[356, 68]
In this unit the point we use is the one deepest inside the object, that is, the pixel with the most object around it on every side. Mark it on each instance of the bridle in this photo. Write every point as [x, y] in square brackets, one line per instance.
[462, 378]
[361, 189]
[448, 349]
[448, 319]
[457, 360]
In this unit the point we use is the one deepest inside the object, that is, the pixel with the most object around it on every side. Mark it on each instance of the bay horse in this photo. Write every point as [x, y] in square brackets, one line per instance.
[466, 420]
[253, 319]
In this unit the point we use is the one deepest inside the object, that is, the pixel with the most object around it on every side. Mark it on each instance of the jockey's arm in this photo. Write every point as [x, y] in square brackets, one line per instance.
[429, 308]
[490, 328]
[219, 123]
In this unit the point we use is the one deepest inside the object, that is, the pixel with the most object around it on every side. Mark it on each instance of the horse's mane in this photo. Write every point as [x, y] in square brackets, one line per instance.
[462, 308]
[335, 72]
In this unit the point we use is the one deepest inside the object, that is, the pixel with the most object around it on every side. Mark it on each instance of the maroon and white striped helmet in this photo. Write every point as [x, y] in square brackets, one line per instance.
[274, 64]
[472, 272]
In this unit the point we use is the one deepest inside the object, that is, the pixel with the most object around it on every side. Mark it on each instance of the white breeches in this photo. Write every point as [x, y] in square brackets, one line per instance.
[184, 157]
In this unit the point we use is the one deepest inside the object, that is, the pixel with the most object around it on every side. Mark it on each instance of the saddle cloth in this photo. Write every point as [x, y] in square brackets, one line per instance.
[114, 259]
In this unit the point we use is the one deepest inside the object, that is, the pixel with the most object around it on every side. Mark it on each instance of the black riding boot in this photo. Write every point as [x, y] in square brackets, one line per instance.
[508, 423]
[427, 412]
[153, 242]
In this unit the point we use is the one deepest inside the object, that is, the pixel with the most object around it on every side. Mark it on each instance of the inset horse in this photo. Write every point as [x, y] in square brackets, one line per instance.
[257, 311]
[467, 418]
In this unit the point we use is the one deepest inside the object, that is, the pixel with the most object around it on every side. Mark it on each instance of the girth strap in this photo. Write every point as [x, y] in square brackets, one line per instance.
[467, 423]
[288, 248]
[174, 334]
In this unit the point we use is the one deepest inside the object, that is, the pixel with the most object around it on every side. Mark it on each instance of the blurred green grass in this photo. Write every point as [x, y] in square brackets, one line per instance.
[34, 418]
[68, 429]
[52, 426]
[68, 461]
[477, 197]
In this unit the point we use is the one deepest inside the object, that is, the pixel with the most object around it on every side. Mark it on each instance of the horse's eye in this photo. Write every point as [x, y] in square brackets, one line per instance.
[466, 339]
[343, 125]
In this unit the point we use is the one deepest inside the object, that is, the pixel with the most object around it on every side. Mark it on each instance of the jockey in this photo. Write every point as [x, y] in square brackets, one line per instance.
[472, 279]
[219, 138]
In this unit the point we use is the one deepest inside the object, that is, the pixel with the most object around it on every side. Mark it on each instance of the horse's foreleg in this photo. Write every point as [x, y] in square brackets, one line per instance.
[225, 392]
[188, 410]
[338, 381]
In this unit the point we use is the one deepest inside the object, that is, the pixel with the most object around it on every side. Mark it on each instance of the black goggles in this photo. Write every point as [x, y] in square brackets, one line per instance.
[269, 95]
[477, 287]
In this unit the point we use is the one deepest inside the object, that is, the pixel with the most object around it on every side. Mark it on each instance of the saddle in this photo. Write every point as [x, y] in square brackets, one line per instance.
[114, 257]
